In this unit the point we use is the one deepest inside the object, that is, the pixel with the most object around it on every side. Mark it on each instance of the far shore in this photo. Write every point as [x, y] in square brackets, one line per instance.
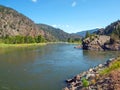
[2, 45]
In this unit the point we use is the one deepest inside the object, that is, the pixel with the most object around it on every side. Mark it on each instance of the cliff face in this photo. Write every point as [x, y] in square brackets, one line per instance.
[13, 23]
[95, 42]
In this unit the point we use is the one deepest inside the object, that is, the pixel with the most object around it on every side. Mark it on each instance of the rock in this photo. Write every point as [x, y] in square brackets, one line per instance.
[95, 42]
[73, 83]
[113, 47]
[77, 77]
[69, 80]
[66, 88]
[90, 70]
[97, 76]
[79, 46]
[73, 88]
[83, 74]
[100, 65]
[90, 76]
[93, 81]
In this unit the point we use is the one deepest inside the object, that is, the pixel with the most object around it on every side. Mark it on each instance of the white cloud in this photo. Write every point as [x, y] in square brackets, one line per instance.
[67, 26]
[54, 25]
[60, 26]
[74, 3]
[34, 1]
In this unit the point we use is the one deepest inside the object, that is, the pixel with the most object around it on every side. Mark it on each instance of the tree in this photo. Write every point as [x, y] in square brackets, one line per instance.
[87, 34]
[39, 39]
[70, 40]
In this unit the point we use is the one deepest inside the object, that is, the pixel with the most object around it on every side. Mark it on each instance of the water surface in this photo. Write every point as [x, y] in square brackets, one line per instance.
[45, 67]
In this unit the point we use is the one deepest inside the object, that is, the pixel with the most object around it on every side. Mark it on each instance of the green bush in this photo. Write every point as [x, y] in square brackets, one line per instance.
[85, 82]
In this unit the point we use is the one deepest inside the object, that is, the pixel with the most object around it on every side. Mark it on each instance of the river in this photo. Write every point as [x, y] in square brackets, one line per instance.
[45, 67]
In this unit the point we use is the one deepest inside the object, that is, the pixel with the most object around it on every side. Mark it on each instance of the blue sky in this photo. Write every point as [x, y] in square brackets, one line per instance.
[69, 15]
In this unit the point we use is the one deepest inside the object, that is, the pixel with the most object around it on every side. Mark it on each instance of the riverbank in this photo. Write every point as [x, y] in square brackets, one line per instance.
[102, 77]
[2, 45]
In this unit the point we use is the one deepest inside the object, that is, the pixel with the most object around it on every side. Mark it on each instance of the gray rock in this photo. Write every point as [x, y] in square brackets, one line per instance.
[100, 65]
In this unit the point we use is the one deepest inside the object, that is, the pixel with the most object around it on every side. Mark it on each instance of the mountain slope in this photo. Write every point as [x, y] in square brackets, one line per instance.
[58, 34]
[83, 33]
[110, 29]
[13, 23]
[107, 39]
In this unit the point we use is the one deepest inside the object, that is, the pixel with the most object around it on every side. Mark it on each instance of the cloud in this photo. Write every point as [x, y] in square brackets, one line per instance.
[55, 25]
[74, 3]
[60, 26]
[67, 26]
[34, 1]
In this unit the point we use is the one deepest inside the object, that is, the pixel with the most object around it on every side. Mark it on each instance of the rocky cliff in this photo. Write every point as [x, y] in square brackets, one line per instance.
[13, 23]
[96, 42]
[109, 42]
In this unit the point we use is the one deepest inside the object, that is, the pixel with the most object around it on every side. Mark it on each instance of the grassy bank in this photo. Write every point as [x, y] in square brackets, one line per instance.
[2, 45]
[114, 66]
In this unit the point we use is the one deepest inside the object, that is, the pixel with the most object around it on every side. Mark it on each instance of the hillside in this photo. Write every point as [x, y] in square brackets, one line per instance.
[13, 23]
[83, 33]
[58, 34]
[113, 28]
[110, 39]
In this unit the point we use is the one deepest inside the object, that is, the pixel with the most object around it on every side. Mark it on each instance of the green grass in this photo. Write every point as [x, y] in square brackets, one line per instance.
[115, 65]
[2, 45]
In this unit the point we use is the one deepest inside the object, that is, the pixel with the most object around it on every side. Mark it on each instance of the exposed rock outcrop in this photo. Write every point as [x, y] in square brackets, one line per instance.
[96, 42]
[13, 23]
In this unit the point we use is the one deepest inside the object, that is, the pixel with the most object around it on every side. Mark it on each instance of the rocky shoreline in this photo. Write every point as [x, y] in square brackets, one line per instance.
[92, 79]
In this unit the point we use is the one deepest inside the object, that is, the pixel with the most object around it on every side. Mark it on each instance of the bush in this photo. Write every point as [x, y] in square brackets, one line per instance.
[85, 82]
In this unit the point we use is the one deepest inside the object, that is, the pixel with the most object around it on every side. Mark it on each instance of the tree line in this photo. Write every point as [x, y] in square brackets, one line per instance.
[23, 39]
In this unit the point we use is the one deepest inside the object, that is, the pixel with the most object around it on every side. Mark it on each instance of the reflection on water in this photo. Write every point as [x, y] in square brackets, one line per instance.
[93, 55]
[45, 67]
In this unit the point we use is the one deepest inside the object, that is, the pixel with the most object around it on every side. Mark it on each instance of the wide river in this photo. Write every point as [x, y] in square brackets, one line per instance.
[45, 67]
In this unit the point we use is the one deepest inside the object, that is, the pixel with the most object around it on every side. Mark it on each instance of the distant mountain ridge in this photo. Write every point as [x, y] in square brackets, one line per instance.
[83, 33]
[110, 29]
[58, 34]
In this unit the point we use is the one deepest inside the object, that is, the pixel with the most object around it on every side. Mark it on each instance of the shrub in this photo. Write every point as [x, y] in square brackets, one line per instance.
[85, 82]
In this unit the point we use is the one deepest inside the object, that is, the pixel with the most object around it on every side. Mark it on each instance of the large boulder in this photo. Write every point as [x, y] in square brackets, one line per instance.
[96, 42]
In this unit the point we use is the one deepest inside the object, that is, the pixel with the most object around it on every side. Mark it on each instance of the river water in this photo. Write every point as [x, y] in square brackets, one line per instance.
[45, 67]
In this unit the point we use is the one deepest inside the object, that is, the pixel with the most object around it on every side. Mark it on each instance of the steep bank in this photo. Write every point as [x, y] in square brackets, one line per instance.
[102, 77]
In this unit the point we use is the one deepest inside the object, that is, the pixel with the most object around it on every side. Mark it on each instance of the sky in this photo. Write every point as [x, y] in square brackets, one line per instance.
[69, 15]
